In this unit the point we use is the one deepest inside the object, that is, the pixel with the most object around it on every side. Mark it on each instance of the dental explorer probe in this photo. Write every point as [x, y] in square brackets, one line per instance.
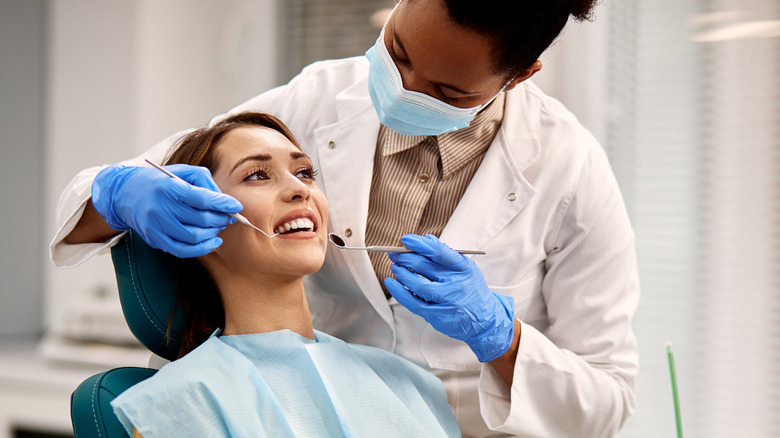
[235, 216]
[336, 240]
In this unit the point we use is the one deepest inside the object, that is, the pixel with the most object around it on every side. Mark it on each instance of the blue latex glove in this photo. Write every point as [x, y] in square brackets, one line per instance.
[178, 218]
[452, 295]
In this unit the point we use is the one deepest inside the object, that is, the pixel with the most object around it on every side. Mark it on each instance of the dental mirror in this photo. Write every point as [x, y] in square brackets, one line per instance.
[336, 240]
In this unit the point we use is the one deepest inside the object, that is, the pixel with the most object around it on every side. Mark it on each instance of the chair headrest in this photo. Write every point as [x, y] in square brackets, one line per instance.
[147, 282]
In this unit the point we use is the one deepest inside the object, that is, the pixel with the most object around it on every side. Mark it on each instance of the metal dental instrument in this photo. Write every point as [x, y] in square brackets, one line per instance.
[235, 216]
[336, 240]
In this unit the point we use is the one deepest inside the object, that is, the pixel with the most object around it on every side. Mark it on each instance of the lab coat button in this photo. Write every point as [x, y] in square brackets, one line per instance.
[348, 232]
[423, 178]
[511, 196]
[331, 144]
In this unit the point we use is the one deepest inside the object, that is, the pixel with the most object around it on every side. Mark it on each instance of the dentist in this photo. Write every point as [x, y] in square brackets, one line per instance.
[437, 132]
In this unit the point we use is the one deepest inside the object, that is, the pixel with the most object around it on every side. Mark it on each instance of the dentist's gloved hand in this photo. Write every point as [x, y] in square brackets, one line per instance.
[178, 218]
[451, 294]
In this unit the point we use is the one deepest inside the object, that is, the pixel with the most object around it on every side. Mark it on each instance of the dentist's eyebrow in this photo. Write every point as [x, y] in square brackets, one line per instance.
[401, 46]
[255, 157]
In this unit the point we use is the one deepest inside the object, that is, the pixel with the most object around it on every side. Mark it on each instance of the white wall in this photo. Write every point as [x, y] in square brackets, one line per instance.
[574, 68]
[125, 74]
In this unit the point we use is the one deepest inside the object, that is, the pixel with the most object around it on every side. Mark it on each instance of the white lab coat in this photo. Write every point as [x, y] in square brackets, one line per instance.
[545, 206]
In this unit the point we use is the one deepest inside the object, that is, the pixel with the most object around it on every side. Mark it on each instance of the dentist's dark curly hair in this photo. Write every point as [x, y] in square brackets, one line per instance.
[197, 293]
[520, 29]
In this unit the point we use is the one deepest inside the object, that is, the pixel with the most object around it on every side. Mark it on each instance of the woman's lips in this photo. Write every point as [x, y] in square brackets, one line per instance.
[296, 220]
[299, 235]
[301, 223]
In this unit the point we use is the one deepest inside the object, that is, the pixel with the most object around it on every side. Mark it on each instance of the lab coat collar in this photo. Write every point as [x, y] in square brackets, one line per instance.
[498, 190]
[353, 100]
[518, 130]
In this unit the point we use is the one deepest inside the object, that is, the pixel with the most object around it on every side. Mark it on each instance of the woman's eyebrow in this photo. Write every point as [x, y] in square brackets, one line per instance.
[254, 157]
[298, 155]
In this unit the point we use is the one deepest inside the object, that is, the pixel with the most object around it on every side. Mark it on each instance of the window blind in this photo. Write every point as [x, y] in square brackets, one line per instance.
[654, 148]
[740, 46]
[693, 138]
[314, 30]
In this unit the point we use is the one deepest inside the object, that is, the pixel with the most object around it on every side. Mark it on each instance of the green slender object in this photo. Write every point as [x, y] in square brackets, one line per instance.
[675, 394]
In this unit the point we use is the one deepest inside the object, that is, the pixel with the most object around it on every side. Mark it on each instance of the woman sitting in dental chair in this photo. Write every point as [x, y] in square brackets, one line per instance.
[251, 364]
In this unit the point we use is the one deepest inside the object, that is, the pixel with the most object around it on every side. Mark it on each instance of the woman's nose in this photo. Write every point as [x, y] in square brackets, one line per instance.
[295, 189]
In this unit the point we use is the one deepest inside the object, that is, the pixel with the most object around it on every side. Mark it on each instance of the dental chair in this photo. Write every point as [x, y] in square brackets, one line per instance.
[147, 281]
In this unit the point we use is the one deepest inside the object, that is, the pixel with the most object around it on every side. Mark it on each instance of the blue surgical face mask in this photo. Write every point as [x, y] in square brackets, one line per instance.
[410, 112]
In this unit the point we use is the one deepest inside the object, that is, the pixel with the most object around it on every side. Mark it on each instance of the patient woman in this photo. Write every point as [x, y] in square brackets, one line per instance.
[258, 368]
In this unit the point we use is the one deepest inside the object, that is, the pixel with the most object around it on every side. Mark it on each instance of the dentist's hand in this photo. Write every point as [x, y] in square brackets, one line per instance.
[178, 218]
[449, 291]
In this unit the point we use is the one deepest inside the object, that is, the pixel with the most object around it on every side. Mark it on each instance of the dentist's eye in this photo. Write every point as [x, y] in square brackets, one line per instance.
[447, 99]
[395, 57]
[309, 172]
[257, 174]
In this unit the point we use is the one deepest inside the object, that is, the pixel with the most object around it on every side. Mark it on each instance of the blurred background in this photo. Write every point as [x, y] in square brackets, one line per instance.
[683, 94]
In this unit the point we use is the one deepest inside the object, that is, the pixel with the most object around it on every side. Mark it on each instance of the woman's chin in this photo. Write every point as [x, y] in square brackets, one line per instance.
[301, 267]
[299, 253]
[303, 262]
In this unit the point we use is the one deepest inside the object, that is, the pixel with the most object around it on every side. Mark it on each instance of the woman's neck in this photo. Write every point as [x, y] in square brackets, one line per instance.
[261, 303]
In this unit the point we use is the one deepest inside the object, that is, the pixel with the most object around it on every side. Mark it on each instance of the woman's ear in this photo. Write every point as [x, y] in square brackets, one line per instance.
[530, 71]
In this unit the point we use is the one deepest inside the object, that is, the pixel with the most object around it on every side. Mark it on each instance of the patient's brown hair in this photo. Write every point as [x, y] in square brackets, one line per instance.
[197, 293]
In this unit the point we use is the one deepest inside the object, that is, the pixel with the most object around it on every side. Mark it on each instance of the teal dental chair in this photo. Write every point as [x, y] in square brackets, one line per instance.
[147, 281]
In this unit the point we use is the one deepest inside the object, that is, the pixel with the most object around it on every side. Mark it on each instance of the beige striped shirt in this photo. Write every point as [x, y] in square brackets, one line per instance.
[418, 181]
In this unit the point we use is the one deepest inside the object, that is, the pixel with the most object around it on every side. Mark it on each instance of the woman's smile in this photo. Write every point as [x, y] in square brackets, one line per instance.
[298, 224]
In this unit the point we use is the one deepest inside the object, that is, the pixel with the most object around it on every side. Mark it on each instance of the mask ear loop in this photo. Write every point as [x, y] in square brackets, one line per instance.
[503, 88]
[508, 82]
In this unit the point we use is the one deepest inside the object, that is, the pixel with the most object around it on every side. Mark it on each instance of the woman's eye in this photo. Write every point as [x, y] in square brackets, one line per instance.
[257, 175]
[307, 173]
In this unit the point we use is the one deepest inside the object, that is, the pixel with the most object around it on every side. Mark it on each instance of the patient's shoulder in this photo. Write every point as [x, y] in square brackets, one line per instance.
[381, 360]
[210, 360]
[396, 370]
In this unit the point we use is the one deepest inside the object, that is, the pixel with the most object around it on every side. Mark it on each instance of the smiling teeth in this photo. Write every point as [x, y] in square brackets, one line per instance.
[296, 224]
